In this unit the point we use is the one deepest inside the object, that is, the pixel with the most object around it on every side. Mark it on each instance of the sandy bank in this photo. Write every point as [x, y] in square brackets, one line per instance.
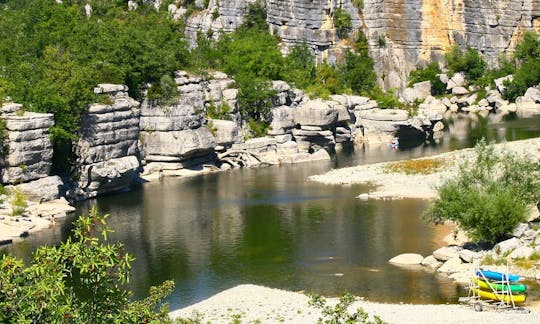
[400, 185]
[250, 303]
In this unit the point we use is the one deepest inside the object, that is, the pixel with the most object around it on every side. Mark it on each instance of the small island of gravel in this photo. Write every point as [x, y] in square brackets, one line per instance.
[390, 184]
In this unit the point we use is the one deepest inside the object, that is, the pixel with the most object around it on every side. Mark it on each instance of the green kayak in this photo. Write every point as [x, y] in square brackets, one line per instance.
[514, 288]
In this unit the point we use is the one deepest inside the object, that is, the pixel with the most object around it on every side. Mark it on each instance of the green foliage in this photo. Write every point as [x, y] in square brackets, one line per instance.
[300, 66]
[18, 201]
[359, 4]
[357, 73]
[3, 129]
[80, 281]
[53, 55]
[528, 72]
[490, 197]
[469, 62]
[222, 111]
[429, 73]
[340, 312]
[386, 100]
[257, 127]
[342, 22]
[164, 91]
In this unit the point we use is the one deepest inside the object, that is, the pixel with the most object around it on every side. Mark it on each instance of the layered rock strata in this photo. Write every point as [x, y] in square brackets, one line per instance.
[27, 153]
[108, 155]
[175, 136]
[405, 33]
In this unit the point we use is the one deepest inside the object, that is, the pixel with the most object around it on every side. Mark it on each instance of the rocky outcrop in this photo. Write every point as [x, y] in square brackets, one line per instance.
[222, 16]
[405, 33]
[27, 153]
[27, 148]
[175, 135]
[108, 155]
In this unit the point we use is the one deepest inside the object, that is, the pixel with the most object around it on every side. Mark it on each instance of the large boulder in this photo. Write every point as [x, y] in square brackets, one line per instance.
[282, 120]
[506, 246]
[407, 259]
[316, 113]
[175, 146]
[226, 132]
[419, 91]
[44, 189]
[446, 253]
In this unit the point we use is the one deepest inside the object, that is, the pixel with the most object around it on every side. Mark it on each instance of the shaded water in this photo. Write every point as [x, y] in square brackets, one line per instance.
[269, 226]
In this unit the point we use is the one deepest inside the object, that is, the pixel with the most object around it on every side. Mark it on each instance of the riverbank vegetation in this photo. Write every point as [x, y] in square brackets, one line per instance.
[524, 65]
[53, 54]
[81, 281]
[490, 195]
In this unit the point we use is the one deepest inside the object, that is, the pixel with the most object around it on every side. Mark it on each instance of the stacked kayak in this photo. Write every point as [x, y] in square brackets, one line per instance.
[499, 287]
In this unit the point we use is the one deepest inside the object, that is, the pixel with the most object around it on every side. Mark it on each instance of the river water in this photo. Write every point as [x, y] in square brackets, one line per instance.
[269, 226]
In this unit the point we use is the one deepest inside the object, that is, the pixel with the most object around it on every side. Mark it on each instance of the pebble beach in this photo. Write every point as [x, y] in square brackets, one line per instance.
[256, 304]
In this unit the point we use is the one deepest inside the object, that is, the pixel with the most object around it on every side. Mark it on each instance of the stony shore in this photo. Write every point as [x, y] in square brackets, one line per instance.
[256, 304]
[400, 185]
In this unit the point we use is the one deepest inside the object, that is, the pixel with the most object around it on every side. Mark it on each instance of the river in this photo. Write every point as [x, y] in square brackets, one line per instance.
[269, 226]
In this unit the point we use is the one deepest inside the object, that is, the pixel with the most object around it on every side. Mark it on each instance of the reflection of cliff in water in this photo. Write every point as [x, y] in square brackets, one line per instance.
[270, 226]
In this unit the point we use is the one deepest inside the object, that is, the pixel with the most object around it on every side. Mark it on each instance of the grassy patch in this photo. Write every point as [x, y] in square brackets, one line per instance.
[423, 166]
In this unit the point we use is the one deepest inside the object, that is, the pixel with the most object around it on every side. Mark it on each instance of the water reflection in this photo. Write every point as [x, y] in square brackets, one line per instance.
[269, 226]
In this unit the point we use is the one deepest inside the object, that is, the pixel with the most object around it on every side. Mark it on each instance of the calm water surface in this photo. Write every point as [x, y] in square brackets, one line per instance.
[269, 226]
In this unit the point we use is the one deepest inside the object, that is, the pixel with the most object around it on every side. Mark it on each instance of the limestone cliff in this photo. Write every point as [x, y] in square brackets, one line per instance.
[108, 157]
[27, 151]
[404, 33]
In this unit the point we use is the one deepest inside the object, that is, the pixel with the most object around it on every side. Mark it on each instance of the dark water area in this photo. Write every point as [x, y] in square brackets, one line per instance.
[269, 226]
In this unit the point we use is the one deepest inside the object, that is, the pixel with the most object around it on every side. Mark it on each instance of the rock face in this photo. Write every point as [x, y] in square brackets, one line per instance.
[174, 136]
[27, 150]
[108, 155]
[407, 32]
[222, 16]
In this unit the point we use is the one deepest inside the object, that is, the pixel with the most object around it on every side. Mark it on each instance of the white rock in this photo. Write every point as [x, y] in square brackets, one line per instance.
[451, 266]
[407, 259]
[505, 246]
[459, 91]
[469, 256]
[521, 252]
[446, 253]
[431, 262]
[519, 230]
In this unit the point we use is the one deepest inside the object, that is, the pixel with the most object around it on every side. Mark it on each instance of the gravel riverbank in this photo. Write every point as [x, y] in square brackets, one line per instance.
[400, 185]
[250, 303]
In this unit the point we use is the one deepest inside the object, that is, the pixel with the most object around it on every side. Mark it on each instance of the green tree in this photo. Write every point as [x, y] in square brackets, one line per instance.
[429, 73]
[527, 58]
[470, 62]
[342, 22]
[300, 66]
[489, 197]
[357, 73]
[80, 281]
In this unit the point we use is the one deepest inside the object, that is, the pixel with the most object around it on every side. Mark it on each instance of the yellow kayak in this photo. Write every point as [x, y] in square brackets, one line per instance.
[518, 299]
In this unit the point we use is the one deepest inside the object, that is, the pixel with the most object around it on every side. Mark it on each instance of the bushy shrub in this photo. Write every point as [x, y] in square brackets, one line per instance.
[342, 22]
[429, 73]
[18, 201]
[300, 66]
[340, 313]
[357, 73]
[527, 58]
[80, 281]
[489, 197]
[469, 62]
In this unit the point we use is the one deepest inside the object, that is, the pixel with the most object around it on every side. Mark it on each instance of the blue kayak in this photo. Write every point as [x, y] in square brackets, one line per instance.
[496, 276]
